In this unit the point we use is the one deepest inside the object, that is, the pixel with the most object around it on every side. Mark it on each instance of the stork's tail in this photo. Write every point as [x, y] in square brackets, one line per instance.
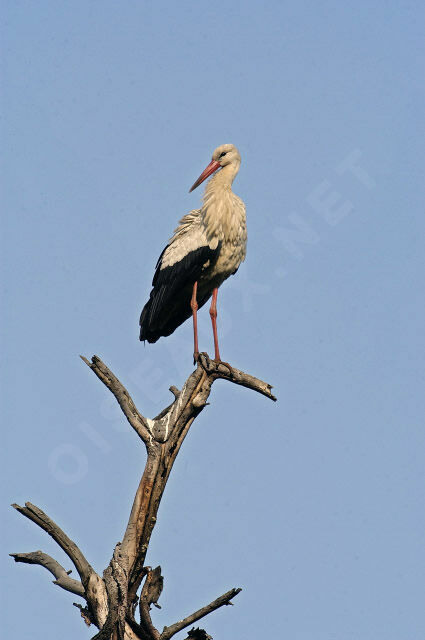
[146, 333]
[162, 313]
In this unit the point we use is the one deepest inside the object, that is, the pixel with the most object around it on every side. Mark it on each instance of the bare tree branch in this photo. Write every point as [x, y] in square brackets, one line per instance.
[40, 518]
[152, 587]
[112, 600]
[176, 394]
[135, 418]
[168, 632]
[142, 517]
[146, 622]
[171, 431]
[174, 391]
[151, 591]
[115, 577]
[226, 372]
[44, 560]
[85, 614]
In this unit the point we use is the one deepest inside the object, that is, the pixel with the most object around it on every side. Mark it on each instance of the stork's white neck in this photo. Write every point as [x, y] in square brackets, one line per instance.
[219, 212]
[223, 179]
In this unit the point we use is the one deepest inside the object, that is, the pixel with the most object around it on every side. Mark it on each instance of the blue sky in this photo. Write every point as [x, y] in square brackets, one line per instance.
[315, 505]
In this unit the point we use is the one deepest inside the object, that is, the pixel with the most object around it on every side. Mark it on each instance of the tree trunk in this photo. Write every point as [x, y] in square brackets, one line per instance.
[129, 588]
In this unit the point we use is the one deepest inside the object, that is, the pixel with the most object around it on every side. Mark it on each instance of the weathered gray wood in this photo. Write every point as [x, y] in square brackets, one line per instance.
[111, 600]
[137, 421]
[44, 560]
[169, 632]
[38, 516]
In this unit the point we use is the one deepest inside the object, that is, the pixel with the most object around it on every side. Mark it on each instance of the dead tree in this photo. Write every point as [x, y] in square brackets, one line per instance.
[119, 603]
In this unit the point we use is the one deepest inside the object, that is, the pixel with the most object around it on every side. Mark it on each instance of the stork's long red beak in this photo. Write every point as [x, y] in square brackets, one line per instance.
[213, 166]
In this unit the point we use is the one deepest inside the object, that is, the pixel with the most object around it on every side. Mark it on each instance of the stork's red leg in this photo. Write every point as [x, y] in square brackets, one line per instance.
[213, 314]
[194, 307]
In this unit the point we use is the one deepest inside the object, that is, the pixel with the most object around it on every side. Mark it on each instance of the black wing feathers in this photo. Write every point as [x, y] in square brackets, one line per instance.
[169, 302]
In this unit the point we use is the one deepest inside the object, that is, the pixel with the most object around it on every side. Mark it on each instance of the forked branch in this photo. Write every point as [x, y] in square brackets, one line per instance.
[112, 600]
[38, 516]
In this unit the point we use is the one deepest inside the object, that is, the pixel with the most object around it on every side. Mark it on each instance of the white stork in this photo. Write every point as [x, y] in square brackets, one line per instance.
[207, 247]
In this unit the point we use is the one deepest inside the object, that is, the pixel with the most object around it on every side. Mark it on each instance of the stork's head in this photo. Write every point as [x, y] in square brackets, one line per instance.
[227, 154]
[224, 155]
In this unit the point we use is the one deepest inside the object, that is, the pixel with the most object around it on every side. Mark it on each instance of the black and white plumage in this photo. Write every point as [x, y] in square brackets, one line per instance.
[207, 247]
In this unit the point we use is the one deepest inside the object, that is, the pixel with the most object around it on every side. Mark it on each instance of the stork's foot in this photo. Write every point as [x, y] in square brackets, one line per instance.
[207, 363]
[225, 364]
[195, 357]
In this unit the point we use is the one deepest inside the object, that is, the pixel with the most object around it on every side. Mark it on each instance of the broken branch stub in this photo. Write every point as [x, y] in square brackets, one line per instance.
[111, 600]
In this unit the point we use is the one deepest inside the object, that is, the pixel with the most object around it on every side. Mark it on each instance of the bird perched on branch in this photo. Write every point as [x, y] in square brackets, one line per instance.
[207, 247]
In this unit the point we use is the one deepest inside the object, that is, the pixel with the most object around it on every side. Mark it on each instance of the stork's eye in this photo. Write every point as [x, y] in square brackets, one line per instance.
[222, 154]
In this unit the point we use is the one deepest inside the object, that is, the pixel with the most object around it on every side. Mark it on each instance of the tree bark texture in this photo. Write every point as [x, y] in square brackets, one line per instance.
[128, 589]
